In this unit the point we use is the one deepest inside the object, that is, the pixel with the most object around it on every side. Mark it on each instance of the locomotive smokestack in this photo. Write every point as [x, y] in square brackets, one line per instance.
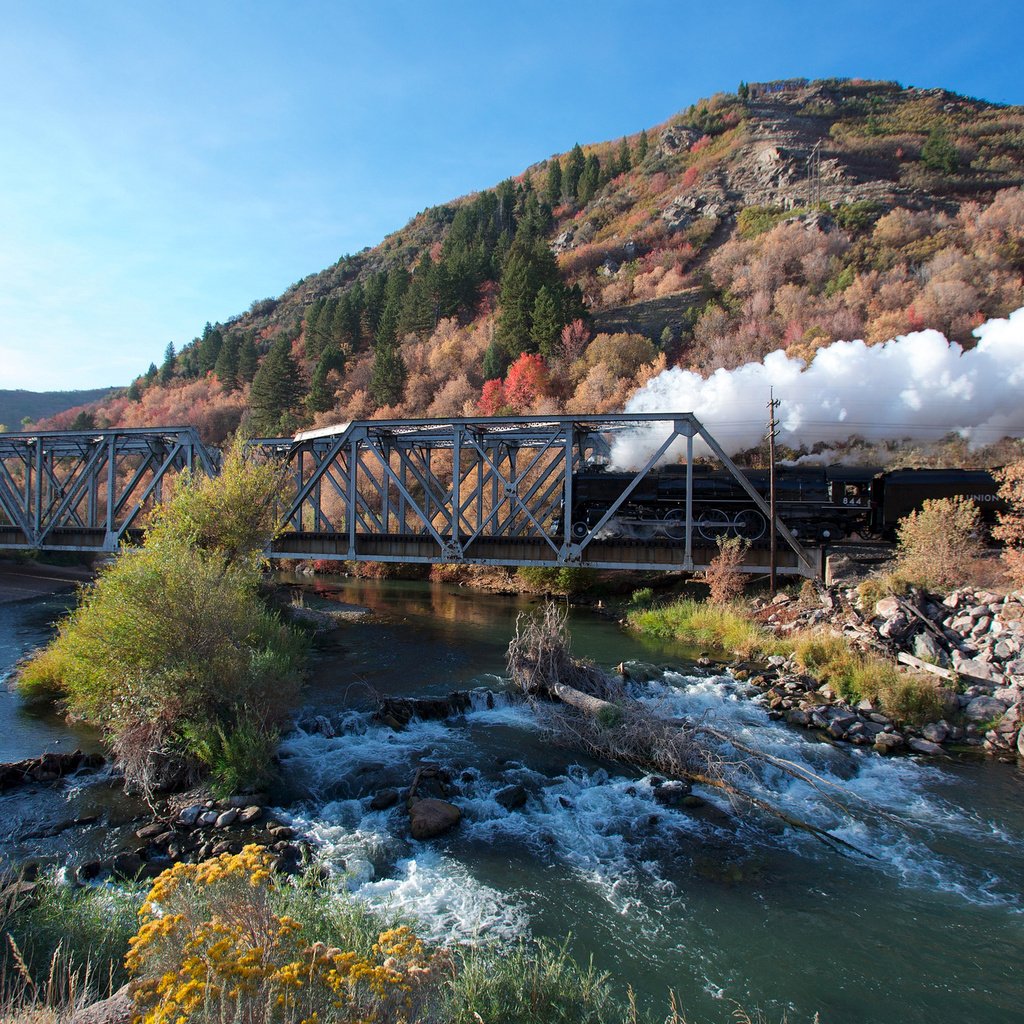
[917, 386]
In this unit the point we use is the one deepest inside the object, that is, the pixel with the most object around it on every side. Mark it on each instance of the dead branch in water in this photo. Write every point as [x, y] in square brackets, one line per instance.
[583, 707]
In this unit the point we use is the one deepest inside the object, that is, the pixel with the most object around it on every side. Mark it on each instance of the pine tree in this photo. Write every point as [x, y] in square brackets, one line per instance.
[547, 323]
[247, 359]
[133, 394]
[573, 172]
[276, 388]
[518, 293]
[209, 350]
[495, 362]
[625, 161]
[387, 381]
[167, 366]
[151, 373]
[226, 370]
[641, 149]
[321, 396]
[553, 185]
[589, 179]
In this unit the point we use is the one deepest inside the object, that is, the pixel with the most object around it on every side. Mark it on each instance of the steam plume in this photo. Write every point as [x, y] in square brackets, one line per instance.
[917, 386]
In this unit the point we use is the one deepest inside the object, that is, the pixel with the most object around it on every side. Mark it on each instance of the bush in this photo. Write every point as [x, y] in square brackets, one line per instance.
[214, 944]
[556, 579]
[173, 641]
[723, 576]
[938, 544]
[1011, 522]
[642, 598]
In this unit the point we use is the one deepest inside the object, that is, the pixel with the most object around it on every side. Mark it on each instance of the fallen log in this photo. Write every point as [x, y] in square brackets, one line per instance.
[926, 666]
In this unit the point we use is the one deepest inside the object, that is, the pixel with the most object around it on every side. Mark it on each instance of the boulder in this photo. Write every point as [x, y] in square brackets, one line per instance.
[226, 818]
[672, 793]
[926, 648]
[431, 817]
[247, 815]
[982, 709]
[384, 799]
[118, 1009]
[894, 626]
[190, 815]
[511, 797]
[887, 607]
[888, 742]
[922, 746]
[936, 732]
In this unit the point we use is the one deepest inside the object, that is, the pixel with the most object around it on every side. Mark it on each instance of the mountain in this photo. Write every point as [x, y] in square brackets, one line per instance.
[16, 406]
[786, 215]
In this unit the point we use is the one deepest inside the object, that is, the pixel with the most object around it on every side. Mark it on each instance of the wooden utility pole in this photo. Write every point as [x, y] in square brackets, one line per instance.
[773, 404]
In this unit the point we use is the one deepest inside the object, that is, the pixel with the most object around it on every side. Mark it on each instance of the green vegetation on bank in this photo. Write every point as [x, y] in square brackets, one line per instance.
[172, 650]
[228, 940]
[828, 657]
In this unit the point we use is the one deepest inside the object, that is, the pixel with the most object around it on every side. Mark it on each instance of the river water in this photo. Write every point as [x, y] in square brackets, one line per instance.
[715, 903]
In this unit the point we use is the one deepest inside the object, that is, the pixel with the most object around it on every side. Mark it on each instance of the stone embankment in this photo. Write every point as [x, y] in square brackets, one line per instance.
[972, 641]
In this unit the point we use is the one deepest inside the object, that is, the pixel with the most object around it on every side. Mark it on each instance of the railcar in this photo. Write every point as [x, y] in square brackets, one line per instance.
[818, 504]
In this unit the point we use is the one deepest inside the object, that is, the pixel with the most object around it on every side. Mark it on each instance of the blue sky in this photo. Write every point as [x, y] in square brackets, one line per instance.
[165, 165]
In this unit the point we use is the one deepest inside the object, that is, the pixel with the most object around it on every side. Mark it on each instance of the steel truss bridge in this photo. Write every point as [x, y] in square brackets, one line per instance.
[481, 491]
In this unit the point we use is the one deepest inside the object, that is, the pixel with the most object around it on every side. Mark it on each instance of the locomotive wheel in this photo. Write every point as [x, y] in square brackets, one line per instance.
[579, 530]
[749, 524]
[674, 524]
[712, 523]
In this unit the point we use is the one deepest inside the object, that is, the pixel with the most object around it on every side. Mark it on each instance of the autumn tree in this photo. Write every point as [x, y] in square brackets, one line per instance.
[527, 380]
[1010, 529]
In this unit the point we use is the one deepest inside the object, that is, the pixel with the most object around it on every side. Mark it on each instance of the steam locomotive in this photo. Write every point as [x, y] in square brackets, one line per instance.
[816, 503]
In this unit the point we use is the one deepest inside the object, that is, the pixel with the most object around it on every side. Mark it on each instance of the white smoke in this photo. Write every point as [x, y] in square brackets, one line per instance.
[918, 386]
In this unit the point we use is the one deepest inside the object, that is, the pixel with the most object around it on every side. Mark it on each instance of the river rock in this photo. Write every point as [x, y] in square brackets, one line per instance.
[926, 648]
[922, 746]
[226, 819]
[118, 1009]
[977, 669]
[511, 797]
[190, 815]
[982, 709]
[936, 732]
[840, 724]
[888, 742]
[384, 799]
[887, 607]
[432, 817]
[672, 793]
[247, 815]
[894, 626]
[208, 818]
[151, 831]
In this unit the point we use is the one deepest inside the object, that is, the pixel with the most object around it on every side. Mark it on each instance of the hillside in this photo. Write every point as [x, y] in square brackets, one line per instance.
[787, 215]
[16, 406]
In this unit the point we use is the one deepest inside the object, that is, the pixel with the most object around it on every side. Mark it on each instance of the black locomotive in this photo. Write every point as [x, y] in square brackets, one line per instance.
[816, 503]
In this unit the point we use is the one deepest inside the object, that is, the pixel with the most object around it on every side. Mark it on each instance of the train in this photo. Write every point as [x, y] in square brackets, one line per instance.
[818, 504]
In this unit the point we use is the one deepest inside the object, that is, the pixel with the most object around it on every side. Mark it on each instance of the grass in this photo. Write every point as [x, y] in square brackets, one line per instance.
[698, 624]
[828, 657]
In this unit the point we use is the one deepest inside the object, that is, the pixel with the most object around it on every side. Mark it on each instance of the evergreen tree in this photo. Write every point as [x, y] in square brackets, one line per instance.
[625, 161]
[133, 394]
[589, 179]
[495, 362]
[226, 370]
[321, 395]
[641, 149]
[209, 350]
[553, 185]
[276, 388]
[387, 380]
[546, 328]
[939, 154]
[167, 366]
[247, 359]
[573, 171]
[518, 294]
[151, 373]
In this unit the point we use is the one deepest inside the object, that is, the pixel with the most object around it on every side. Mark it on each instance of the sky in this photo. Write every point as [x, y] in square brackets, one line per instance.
[165, 165]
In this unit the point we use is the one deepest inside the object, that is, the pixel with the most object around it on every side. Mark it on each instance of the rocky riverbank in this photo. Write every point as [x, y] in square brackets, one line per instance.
[971, 640]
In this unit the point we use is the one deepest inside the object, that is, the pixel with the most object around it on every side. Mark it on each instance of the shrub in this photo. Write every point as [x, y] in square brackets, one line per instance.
[938, 544]
[704, 625]
[214, 945]
[723, 576]
[642, 598]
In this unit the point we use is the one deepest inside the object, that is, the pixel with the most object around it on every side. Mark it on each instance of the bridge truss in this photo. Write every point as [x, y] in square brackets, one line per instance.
[87, 490]
[495, 491]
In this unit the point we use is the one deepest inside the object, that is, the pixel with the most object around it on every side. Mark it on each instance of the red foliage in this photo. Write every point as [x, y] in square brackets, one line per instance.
[691, 176]
[527, 380]
[575, 337]
[492, 398]
[702, 143]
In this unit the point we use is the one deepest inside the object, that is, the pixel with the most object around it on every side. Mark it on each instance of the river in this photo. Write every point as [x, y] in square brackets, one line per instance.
[714, 903]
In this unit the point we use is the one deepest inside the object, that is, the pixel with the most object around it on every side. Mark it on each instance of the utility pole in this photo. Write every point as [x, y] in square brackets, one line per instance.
[773, 404]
